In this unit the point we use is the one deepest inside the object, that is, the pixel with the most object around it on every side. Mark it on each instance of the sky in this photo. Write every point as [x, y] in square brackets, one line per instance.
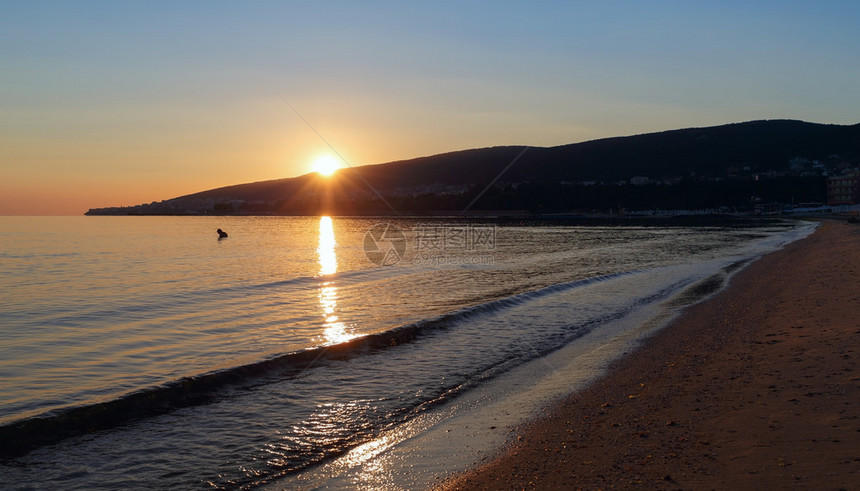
[106, 103]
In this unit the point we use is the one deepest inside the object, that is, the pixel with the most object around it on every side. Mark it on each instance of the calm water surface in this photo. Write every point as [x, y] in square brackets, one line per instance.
[229, 363]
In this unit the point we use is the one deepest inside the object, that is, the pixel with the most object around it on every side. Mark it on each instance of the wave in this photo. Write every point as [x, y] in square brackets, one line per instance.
[22, 436]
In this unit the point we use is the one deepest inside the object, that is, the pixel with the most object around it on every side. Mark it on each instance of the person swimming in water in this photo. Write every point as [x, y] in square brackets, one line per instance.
[222, 234]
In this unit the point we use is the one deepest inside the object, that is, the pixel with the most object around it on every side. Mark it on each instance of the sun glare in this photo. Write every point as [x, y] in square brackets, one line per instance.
[326, 165]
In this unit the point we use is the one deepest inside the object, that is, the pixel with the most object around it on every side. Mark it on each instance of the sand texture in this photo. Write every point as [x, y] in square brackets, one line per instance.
[756, 388]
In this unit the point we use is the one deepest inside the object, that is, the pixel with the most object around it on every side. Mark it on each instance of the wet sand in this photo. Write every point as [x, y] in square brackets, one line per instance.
[757, 387]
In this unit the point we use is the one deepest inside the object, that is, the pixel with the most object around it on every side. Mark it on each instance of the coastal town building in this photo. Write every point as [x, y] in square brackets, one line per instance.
[843, 190]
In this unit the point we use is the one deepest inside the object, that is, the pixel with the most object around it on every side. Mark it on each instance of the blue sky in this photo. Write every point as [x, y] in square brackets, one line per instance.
[118, 103]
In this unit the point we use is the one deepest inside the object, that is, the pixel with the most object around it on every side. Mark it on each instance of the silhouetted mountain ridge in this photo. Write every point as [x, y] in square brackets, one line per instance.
[714, 153]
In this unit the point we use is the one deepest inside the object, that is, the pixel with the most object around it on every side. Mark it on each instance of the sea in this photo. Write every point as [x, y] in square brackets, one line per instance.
[306, 352]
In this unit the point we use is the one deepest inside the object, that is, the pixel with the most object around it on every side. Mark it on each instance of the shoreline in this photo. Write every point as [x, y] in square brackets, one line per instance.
[450, 439]
[753, 387]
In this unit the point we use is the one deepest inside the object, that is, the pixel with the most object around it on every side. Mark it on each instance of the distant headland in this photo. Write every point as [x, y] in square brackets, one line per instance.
[736, 167]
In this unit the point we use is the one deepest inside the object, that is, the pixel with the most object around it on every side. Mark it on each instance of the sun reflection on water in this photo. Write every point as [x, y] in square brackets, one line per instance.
[328, 258]
[334, 331]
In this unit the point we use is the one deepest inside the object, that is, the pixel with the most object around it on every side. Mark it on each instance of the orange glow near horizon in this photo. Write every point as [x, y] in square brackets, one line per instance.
[130, 130]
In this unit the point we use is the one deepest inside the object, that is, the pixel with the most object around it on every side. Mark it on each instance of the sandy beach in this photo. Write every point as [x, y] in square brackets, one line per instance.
[757, 387]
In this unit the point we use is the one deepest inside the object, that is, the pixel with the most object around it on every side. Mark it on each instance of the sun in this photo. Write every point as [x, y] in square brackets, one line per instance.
[326, 165]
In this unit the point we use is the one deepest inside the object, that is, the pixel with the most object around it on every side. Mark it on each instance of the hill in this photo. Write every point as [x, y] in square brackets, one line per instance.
[694, 167]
